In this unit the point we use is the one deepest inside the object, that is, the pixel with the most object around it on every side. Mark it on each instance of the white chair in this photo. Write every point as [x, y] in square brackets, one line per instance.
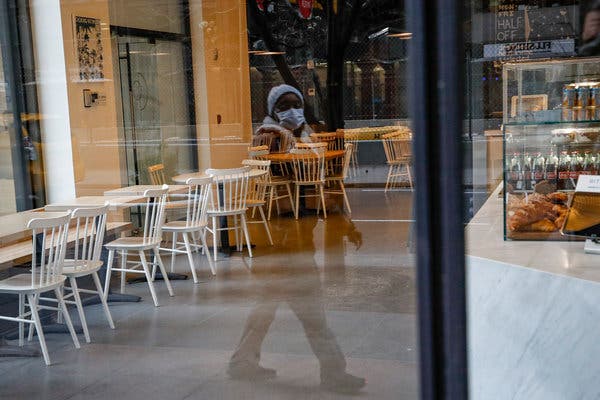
[398, 155]
[230, 186]
[309, 170]
[90, 226]
[257, 190]
[339, 178]
[352, 137]
[45, 276]
[150, 240]
[195, 222]
[274, 182]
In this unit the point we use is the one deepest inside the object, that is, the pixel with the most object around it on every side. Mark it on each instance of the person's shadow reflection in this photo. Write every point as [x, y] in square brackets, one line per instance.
[294, 279]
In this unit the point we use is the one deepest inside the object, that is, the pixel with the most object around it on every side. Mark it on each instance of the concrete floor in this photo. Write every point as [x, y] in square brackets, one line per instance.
[181, 350]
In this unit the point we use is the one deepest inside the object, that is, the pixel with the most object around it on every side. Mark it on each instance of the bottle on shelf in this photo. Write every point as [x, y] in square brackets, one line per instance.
[564, 168]
[515, 178]
[527, 175]
[538, 170]
[551, 168]
[576, 168]
[589, 165]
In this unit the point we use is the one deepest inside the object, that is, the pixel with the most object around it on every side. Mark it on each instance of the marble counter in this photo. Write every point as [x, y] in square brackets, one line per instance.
[534, 314]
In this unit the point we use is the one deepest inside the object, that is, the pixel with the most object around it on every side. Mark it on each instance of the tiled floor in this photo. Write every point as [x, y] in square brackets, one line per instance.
[182, 349]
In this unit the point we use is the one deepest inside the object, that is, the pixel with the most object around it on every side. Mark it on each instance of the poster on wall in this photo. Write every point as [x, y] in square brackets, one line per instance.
[88, 39]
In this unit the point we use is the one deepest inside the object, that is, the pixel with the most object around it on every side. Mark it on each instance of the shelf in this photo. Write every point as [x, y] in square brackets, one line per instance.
[554, 123]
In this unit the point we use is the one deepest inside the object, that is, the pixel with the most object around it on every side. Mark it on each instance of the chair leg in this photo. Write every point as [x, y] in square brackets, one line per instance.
[109, 263]
[188, 249]
[272, 188]
[174, 245]
[410, 182]
[38, 327]
[164, 271]
[318, 200]
[148, 277]
[245, 228]
[214, 224]
[34, 305]
[65, 312]
[345, 197]
[264, 220]
[123, 266]
[297, 201]
[75, 289]
[387, 182]
[323, 200]
[211, 264]
[103, 300]
[21, 324]
[289, 192]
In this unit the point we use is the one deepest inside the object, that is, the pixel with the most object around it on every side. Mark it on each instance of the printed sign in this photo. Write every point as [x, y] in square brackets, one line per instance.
[305, 8]
[588, 184]
[536, 48]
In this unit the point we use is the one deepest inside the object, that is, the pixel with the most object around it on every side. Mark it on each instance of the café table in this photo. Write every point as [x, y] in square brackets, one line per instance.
[138, 190]
[226, 248]
[114, 202]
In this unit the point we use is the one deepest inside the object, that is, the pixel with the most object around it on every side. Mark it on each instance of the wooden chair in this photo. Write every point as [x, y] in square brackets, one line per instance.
[334, 140]
[90, 227]
[196, 222]
[149, 241]
[156, 173]
[257, 190]
[339, 178]
[231, 189]
[274, 181]
[46, 276]
[399, 156]
[352, 137]
[309, 170]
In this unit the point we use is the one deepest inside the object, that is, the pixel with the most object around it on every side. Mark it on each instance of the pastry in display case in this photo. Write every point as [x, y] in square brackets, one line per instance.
[551, 137]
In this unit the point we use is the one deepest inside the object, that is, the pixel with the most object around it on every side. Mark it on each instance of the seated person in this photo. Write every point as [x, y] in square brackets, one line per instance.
[285, 123]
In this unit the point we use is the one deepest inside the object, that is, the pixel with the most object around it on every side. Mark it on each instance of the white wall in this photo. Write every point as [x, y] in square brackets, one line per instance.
[53, 99]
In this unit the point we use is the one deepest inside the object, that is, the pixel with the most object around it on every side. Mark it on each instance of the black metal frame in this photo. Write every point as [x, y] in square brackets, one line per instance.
[437, 83]
[18, 63]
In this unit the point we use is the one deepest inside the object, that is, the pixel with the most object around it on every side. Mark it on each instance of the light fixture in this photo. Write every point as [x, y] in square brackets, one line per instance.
[270, 53]
[401, 35]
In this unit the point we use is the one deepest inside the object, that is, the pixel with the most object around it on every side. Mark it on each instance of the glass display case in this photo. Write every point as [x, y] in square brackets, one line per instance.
[551, 136]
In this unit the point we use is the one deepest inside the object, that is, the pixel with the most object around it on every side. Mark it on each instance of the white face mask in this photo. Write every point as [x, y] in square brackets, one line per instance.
[291, 119]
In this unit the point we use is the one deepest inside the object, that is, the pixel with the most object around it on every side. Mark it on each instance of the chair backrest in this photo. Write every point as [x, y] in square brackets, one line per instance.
[389, 148]
[349, 148]
[53, 233]
[262, 139]
[231, 185]
[157, 174]
[257, 188]
[198, 196]
[257, 152]
[402, 146]
[317, 145]
[155, 212]
[309, 164]
[334, 140]
[90, 226]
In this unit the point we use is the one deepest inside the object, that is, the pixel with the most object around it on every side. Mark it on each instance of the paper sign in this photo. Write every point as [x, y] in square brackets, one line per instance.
[588, 184]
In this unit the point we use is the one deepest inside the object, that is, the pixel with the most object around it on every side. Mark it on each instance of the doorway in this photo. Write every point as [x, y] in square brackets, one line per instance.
[157, 107]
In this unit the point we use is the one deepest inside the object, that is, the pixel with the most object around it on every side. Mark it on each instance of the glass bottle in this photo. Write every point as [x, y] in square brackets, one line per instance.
[526, 168]
[538, 170]
[564, 167]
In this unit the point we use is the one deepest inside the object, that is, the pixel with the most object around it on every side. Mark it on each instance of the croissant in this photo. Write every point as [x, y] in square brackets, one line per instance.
[558, 197]
[544, 225]
[527, 214]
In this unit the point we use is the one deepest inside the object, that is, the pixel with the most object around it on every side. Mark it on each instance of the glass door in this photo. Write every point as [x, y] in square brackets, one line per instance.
[156, 120]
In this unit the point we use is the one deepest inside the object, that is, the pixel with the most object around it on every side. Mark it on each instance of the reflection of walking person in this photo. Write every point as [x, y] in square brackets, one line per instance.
[299, 285]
